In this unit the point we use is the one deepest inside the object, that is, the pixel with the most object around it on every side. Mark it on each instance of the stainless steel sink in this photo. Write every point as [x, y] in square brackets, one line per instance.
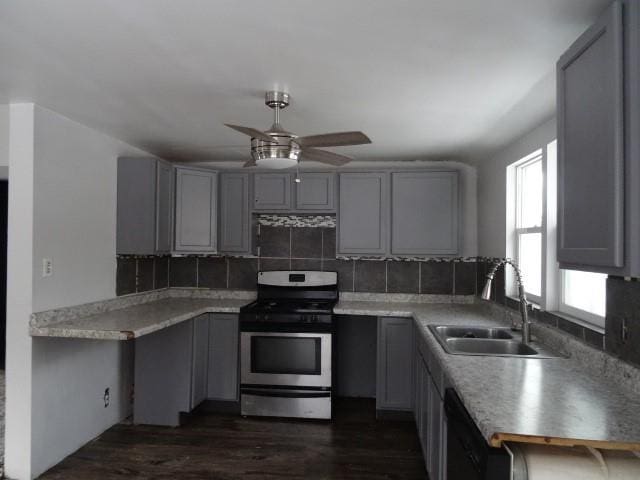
[450, 331]
[484, 346]
[486, 341]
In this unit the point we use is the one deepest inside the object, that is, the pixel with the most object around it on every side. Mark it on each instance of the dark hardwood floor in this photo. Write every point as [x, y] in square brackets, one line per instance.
[228, 447]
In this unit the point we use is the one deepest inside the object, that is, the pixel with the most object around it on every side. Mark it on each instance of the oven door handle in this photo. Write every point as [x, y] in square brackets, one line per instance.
[268, 392]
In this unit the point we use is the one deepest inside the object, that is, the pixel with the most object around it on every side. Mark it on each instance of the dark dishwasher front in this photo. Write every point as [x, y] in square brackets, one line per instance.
[469, 457]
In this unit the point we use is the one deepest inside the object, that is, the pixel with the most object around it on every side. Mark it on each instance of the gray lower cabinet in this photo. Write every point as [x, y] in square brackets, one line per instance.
[200, 363]
[272, 191]
[196, 210]
[144, 210]
[430, 419]
[424, 213]
[394, 389]
[235, 219]
[223, 372]
[363, 211]
[163, 375]
[316, 191]
[591, 145]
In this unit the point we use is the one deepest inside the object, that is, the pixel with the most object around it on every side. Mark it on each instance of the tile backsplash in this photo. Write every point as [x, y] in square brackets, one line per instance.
[293, 242]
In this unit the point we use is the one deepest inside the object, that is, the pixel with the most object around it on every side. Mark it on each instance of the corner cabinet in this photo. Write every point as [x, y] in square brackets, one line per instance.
[196, 210]
[363, 211]
[235, 219]
[598, 82]
[271, 191]
[394, 386]
[424, 213]
[144, 210]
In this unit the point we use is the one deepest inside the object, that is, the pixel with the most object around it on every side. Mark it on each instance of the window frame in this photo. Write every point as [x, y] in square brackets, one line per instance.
[585, 317]
[514, 171]
[552, 281]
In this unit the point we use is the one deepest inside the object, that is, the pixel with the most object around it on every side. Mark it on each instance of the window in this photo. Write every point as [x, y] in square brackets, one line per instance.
[531, 226]
[583, 295]
[528, 231]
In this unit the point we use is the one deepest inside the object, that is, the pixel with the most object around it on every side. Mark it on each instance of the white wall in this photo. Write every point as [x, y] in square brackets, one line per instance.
[68, 198]
[4, 141]
[19, 295]
[492, 184]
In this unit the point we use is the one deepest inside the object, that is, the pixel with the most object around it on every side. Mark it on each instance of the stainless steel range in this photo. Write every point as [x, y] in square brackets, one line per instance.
[286, 345]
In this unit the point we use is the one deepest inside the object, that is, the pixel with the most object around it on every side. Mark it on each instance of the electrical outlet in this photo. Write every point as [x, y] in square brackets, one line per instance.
[106, 397]
[47, 267]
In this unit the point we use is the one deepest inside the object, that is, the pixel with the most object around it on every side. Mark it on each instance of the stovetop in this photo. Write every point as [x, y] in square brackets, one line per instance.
[289, 307]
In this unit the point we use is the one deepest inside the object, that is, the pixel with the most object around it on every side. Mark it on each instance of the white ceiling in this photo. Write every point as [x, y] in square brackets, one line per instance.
[425, 79]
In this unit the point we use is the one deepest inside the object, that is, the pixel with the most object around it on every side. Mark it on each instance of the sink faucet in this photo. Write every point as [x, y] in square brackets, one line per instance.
[486, 295]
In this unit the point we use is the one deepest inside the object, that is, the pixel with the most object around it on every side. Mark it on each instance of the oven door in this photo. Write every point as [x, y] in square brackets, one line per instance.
[286, 359]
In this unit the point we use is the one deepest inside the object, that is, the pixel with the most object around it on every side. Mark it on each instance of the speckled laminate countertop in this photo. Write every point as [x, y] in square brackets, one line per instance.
[564, 401]
[548, 401]
[138, 320]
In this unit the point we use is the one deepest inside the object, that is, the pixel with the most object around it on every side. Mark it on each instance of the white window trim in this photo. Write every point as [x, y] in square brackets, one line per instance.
[513, 231]
[552, 285]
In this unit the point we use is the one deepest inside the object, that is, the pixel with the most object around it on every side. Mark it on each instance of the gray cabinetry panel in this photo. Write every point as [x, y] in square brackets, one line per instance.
[163, 363]
[164, 203]
[424, 218]
[199, 372]
[136, 206]
[223, 357]
[196, 210]
[272, 191]
[394, 389]
[234, 213]
[591, 166]
[316, 191]
[362, 213]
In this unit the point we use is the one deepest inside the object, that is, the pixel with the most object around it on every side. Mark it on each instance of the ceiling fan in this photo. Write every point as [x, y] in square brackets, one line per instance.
[278, 148]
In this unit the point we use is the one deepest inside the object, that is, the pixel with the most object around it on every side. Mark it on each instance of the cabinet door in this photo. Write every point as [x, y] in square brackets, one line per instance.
[272, 191]
[425, 417]
[316, 191]
[164, 207]
[200, 359]
[362, 213]
[136, 209]
[590, 146]
[234, 213]
[394, 390]
[196, 204]
[424, 213]
[223, 357]
[435, 413]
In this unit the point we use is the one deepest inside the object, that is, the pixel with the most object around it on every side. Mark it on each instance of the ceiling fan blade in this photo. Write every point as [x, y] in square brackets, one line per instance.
[252, 132]
[337, 139]
[323, 156]
[249, 163]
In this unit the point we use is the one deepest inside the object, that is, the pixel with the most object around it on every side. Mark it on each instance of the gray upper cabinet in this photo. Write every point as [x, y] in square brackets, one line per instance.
[164, 207]
[316, 191]
[144, 211]
[591, 156]
[272, 191]
[235, 221]
[394, 389]
[196, 210]
[363, 213]
[424, 213]
[223, 357]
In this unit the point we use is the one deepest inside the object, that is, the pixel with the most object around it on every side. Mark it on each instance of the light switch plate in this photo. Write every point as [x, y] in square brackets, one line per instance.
[47, 267]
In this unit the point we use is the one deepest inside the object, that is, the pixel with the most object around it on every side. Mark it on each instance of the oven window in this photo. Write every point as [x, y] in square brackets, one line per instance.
[289, 355]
